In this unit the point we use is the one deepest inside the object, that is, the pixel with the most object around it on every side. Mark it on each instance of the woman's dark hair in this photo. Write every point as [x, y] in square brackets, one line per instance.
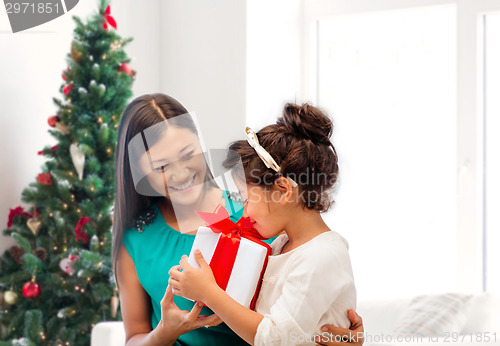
[140, 114]
[300, 144]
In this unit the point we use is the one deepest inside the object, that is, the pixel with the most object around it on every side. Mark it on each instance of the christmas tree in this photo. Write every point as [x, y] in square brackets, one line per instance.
[57, 282]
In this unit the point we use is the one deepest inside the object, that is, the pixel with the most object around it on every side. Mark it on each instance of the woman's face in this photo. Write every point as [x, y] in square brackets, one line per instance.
[264, 211]
[178, 166]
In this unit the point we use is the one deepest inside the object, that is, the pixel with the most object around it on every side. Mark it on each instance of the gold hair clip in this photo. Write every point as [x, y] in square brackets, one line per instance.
[263, 154]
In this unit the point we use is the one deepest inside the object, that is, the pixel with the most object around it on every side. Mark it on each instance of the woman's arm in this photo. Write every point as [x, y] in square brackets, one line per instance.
[200, 285]
[352, 336]
[136, 310]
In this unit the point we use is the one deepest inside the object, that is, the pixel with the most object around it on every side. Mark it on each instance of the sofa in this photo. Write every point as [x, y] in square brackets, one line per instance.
[478, 321]
[470, 319]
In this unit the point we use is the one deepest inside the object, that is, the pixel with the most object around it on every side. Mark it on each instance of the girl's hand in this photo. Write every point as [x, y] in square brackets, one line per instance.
[352, 336]
[176, 321]
[192, 283]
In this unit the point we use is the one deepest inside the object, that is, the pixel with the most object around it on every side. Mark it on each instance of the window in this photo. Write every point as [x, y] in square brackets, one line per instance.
[417, 135]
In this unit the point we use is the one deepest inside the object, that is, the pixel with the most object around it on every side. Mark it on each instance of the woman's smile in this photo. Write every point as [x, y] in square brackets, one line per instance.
[183, 187]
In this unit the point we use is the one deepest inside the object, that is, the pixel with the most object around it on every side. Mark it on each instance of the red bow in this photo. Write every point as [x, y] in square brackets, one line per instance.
[19, 211]
[108, 19]
[219, 222]
[224, 256]
[79, 229]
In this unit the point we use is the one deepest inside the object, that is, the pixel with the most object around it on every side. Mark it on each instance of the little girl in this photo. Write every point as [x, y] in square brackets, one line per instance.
[290, 167]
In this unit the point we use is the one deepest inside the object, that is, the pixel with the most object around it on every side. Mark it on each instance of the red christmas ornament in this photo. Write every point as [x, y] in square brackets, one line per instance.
[125, 67]
[79, 229]
[31, 290]
[53, 120]
[108, 19]
[67, 89]
[18, 211]
[44, 179]
[52, 149]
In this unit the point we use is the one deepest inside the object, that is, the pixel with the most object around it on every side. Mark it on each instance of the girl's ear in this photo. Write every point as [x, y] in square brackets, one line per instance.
[285, 188]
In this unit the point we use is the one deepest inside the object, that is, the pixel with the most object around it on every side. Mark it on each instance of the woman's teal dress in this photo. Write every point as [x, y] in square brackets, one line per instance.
[154, 251]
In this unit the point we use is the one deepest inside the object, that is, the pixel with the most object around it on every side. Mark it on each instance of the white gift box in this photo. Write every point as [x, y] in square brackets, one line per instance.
[244, 281]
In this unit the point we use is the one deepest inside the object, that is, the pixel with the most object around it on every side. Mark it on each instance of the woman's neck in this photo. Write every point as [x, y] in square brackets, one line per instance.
[183, 217]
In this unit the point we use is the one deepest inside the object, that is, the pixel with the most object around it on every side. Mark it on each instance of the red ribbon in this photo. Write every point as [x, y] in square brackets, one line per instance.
[108, 19]
[224, 256]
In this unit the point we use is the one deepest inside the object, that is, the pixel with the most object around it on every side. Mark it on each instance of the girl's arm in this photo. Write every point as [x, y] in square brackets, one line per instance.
[199, 284]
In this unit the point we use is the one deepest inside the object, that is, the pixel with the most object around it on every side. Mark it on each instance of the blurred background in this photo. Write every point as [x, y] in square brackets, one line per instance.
[412, 86]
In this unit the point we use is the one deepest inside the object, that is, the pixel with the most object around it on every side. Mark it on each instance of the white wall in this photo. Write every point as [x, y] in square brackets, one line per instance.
[203, 63]
[31, 63]
[274, 58]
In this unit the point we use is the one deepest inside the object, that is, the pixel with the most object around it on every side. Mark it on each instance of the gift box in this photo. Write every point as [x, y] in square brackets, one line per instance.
[235, 252]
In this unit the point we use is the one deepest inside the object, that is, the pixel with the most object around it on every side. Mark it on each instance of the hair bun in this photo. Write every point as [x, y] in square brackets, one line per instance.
[308, 122]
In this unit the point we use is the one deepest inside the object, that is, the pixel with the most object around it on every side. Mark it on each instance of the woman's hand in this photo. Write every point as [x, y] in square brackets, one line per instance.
[352, 336]
[192, 283]
[181, 321]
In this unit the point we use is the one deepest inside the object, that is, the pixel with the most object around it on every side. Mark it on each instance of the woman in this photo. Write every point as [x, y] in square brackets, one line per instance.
[159, 155]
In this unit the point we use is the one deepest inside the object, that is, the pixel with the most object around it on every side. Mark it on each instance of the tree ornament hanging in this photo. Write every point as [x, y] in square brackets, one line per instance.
[44, 179]
[75, 54]
[10, 297]
[62, 128]
[16, 252]
[32, 290]
[125, 67]
[67, 89]
[115, 302]
[53, 120]
[115, 46]
[78, 158]
[41, 253]
[65, 264]
[34, 225]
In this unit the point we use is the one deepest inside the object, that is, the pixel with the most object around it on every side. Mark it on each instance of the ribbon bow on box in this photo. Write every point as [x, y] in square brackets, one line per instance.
[226, 250]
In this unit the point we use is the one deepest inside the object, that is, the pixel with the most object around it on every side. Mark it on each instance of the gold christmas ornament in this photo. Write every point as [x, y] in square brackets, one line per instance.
[34, 225]
[10, 297]
[62, 128]
[115, 302]
[100, 120]
[76, 55]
